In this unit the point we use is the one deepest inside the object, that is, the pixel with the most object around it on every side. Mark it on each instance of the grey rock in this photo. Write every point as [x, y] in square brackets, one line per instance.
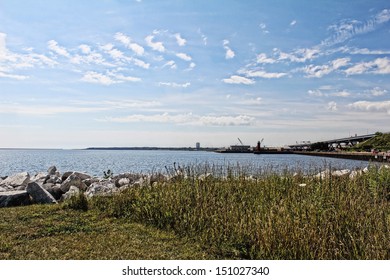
[71, 192]
[101, 189]
[19, 179]
[66, 175]
[81, 175]
[73, 180]
[39, 178]
[39, 194]
[14, 198]
[341, 173]
[122, 182]
[54, 179]
[52, 170]
[3, 189]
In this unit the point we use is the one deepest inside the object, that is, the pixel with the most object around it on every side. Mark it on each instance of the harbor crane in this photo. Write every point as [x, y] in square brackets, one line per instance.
[240, 141]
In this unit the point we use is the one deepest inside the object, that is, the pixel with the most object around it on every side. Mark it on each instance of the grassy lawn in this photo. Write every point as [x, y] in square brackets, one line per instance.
[51, 232]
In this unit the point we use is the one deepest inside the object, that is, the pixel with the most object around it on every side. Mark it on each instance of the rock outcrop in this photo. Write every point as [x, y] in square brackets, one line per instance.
[39, 194]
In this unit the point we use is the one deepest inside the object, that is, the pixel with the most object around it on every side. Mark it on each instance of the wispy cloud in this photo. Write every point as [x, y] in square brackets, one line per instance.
[180, 41]
[377, 66]
[347, 29]
[53, 46]
[235, 79]
[11, 62]
[107, 79]
[184, 56]
[331, 106]
[381, 106]
[175, 85]
[127, 41]
[229, 52]
[263, 74]
[186, 119]
[318, 71]
[156, 46]
[263, 28]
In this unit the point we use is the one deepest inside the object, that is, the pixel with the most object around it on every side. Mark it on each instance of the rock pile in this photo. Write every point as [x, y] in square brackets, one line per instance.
[52, 186]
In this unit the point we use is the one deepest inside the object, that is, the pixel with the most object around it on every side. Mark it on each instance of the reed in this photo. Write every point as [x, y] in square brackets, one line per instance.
[267, 215]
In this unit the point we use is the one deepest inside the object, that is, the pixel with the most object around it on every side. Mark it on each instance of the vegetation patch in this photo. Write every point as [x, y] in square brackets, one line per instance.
[270, 217]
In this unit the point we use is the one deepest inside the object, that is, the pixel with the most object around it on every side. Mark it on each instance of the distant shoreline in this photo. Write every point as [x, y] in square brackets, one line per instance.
[152, 148]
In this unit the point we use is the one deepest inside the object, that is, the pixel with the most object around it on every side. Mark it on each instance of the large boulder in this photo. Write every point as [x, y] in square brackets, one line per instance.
[39, 194]
[14, 198]
[73, 191]
[54, 190]
[73, 180]
[39, 178]
[81, 175]
[101, 189]
[52, 170]
[341, 173]
[16, 180]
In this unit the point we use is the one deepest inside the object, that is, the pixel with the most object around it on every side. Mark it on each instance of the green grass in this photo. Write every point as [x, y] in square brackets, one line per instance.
[380, 142]
[273, 216]
[54, 232]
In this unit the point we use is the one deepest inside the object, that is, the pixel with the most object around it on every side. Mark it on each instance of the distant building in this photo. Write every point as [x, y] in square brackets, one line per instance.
[197, 145]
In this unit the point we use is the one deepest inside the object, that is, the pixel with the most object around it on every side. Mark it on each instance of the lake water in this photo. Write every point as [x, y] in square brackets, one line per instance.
[95, 162]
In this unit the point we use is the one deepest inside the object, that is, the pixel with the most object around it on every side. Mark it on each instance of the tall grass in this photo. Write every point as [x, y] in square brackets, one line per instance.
[270, 216]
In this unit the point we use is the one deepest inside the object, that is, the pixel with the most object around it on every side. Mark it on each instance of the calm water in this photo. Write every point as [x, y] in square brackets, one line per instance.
[95, 162]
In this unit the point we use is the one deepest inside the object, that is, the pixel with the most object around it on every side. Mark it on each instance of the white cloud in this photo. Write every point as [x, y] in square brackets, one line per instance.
[229, 52]
[157, 46]
[126, 78]
[140, 63]
[342, 93]
[371, 106]
[263, 74]
[180, 41]
[11, 61]
[98, 78]
[53, 46]
[321, 93]
[347, 29]
[294, 22]
[263, 59]
[187, 119]
[332, 106]
[126, 40]
[377, 66]
[238, 80]
[3, 47]
[174, 85]
[377, 91]
[263, 28]
[85, 49]
[300, 55]
[319, 71]
[204, 38]
[184, 56]
[171, 64]
[364, 51]
[13, 76]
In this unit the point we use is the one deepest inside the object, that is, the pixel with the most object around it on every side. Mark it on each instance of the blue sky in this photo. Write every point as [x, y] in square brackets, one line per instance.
[76, 74]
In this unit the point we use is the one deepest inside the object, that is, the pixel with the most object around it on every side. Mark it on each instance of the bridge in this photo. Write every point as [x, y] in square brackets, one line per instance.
[338, 143]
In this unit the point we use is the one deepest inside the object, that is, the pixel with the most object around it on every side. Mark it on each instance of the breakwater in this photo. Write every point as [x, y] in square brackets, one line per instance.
[366, 156]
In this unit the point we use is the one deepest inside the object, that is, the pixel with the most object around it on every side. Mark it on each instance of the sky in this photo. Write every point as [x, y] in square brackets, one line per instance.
[77, 74]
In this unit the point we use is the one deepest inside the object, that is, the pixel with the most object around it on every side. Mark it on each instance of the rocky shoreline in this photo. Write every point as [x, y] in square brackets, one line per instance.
[52, 186]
